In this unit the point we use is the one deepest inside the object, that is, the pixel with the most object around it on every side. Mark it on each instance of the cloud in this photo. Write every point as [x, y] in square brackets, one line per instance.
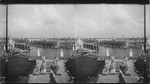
[118, 15]
[47, 14]
[83, 20]
[121, 22]
[44, 18]
[86, 23]
[2, 20]
[21, 23]
[106, 21]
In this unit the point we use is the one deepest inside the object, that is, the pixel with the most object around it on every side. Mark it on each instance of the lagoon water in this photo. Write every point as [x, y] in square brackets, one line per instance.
[102, 52]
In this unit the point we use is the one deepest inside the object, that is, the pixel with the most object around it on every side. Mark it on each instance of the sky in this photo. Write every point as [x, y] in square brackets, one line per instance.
[148, 20]
[2, 20]
[83, 20]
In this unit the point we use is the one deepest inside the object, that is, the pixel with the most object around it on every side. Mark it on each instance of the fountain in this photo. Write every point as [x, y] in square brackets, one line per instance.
[107, 52]
[38, 52]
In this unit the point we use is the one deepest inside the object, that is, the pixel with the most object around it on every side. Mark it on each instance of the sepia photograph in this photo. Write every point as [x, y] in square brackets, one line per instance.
[75, 43]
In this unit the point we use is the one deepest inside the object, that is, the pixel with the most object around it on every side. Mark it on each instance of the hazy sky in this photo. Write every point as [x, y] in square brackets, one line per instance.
[97, 20]
[148, 20]
[2, 20]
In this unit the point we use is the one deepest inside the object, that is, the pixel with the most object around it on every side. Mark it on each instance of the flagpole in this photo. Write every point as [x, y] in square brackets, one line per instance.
[6, 28]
